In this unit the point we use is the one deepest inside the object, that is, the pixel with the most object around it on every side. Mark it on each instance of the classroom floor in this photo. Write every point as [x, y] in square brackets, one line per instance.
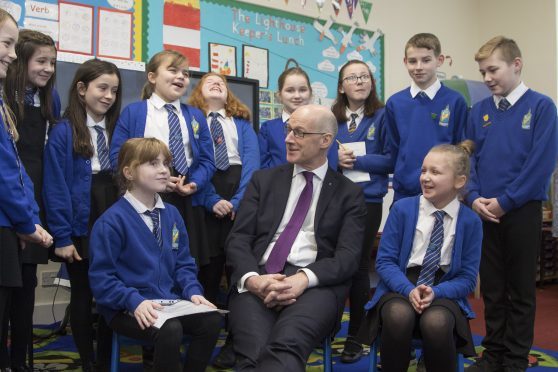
[59, 354]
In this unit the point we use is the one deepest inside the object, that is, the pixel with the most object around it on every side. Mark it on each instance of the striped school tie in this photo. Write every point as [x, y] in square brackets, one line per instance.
[422, 94]
[221, 156]
[431, 261]
[154, 215]
[176, 143]
[102, 149]
[29, 97]
[504, 104]
[353, 125]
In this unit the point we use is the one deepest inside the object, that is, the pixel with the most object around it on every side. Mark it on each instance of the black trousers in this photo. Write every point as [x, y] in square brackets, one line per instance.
[360, 288]
[508, 276]
[270, 340]
[203, 330]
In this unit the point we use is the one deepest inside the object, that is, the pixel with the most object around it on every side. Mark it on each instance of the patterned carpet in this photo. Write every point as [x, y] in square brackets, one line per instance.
[58, 353]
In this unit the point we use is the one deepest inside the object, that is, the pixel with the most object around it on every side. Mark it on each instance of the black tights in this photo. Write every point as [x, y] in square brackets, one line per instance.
[81, 318]
[436, 327]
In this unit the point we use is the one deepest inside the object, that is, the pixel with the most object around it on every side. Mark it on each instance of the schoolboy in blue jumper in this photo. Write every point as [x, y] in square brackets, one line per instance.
[428, 262]
[140, 253]
[181, 127]
[294, 90]
[422, 116]
[19, 213]
[29, 87]
[360, 117]
[516, 134]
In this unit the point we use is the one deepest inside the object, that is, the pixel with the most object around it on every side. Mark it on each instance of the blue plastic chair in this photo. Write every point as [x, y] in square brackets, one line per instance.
[328, 359]
[119, 340]
[374, 357]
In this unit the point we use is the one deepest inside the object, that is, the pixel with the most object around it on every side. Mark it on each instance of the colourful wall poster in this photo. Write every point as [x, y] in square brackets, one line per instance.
[320, 46]
[74, 24]
[222, 59]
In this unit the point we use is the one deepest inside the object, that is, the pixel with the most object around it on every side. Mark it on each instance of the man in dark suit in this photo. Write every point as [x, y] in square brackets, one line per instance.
[294, 247]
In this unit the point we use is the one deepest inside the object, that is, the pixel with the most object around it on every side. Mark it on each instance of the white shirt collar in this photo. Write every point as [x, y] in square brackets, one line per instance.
[430, 91]
[139, 206]
[319, 172]
[160, 103]
[359, 112]
[514, 95]
[91, 123]
[285, 116]
[451, 209]
[221, 112]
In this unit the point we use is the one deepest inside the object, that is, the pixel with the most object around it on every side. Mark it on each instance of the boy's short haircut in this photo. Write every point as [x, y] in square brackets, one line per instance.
[425, 40]
[508, 49]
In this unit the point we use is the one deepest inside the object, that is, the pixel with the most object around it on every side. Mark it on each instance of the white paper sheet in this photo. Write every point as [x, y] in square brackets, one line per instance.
[182, 308]
[359, 149]
[76, 28]
[115, 34]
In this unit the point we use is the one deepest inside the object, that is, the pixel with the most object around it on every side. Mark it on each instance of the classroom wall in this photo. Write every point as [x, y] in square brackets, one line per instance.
[534, 30]
[462, 26]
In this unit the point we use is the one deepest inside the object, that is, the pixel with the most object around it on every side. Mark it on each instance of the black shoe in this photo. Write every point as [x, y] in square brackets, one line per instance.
[226, 358]
[483, 365]
[352, 352]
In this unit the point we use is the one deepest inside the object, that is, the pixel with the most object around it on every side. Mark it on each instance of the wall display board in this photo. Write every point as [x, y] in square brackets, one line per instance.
[320, 46]
[104, 28]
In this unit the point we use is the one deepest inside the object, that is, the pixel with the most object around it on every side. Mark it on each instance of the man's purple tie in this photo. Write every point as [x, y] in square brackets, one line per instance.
[278, 256]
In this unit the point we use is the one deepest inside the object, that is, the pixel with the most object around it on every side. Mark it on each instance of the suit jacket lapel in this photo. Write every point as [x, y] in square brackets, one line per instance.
[281, 195]
[328, 190]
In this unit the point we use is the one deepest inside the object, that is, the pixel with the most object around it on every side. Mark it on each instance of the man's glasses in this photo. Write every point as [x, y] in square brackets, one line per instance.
[298, 133]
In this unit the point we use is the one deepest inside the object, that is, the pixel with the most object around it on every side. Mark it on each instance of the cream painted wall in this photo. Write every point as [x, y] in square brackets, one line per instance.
[532, 24]
[462, 26]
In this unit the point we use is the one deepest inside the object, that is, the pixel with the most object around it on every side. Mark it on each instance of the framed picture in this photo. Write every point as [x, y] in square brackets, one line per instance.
[222, 59]
[256, 64]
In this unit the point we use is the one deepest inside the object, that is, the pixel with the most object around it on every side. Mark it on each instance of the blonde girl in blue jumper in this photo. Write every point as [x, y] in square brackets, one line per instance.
[428, 262]
[140, 253]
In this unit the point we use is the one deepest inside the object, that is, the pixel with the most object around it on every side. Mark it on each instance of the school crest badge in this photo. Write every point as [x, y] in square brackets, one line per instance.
[371, 132]
[526, 122]
[196, 128]
[175, 236]
[444, 117]
[486, 121]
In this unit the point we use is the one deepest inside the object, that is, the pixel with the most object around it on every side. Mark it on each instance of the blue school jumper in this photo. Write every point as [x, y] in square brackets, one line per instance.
[271, 138]
[377, 161]
[66, 186]
[395, 251]
[127, 265]
[414, 126]
[18, 208]
[250, 157]
[131, 124]
[515, 150]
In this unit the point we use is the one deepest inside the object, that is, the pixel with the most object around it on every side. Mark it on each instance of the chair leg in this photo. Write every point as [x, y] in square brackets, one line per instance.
[460, 362]
[328, 360]
[115, 354]
[373, 357]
